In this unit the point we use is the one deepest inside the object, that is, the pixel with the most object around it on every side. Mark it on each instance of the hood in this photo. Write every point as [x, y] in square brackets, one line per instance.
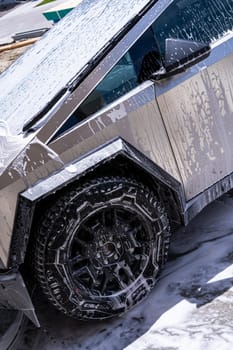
[45, 69]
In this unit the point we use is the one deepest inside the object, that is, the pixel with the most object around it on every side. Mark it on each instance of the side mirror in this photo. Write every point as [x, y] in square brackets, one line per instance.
[180, 55]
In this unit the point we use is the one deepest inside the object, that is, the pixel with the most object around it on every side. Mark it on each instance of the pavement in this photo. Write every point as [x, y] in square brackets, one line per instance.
[189, 308]
[24, 17]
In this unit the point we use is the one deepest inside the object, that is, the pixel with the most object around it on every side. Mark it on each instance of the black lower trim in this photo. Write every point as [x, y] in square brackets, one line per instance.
[22, 229]
[195, 205]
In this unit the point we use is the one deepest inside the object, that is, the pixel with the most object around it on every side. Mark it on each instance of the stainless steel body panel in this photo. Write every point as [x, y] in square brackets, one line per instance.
[135, 118]
[37, 161]
[14, 295]
[93, 160]
[197, 110]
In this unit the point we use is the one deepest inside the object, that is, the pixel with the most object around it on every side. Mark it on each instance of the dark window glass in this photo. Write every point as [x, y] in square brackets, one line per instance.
[198, 20]
[136, 66]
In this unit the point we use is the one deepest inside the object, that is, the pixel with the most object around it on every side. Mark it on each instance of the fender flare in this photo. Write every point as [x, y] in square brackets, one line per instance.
[88, 163]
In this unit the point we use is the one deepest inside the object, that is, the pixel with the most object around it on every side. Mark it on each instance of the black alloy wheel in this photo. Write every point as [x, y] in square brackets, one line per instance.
[100, 247]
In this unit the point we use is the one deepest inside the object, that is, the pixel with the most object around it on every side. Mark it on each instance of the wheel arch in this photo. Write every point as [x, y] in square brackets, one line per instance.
[102, 161]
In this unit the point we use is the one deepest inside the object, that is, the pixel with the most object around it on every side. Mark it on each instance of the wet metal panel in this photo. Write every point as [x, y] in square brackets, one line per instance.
[14, 294]
[135, 118]
[197, 109]
[38, 76]
[36, 162]
[89, 163]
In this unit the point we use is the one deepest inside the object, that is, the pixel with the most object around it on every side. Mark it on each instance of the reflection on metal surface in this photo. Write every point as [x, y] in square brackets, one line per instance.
[195, 205]
[80, 167]
[36, 161]
[10, 322]
[14, 294]
[197, 110]
[135, 118]
[92, 161]
[10, 145]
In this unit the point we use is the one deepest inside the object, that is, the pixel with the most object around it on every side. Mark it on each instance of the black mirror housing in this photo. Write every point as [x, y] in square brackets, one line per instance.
[181, 54]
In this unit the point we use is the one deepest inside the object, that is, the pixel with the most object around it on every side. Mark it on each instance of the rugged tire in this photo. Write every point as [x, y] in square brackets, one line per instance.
[100, 247]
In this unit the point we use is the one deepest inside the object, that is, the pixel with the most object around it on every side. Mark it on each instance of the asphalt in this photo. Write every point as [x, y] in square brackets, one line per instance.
[189, 308]
[24, 17]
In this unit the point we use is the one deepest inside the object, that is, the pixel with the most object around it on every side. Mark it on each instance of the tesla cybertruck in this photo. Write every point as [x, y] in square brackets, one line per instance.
[115, 128]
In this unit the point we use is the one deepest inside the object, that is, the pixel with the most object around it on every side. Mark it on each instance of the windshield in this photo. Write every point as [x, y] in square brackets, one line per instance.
[36, 77]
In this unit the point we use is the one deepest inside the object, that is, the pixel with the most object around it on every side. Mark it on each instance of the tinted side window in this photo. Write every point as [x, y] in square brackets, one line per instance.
[128, 73]
[199, 20]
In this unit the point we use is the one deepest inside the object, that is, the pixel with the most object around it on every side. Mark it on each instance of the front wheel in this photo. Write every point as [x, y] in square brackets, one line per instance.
[100, 247]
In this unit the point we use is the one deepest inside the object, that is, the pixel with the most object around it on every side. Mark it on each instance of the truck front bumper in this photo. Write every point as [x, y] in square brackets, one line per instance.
[14, 294]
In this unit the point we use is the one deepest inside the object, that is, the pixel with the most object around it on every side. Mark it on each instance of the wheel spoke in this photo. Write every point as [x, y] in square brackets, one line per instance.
[119, 280]
[140, 257]
[77, 260]
[130, 240]
[107, 276]
[128, 272]
[94, 275]
[81, 271]
[89, 230]
[111, 246]
[103, 218]
[116, 219]
[82, 243]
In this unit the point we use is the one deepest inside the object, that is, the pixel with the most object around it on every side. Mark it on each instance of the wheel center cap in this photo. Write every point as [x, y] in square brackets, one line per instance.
[108, 249]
